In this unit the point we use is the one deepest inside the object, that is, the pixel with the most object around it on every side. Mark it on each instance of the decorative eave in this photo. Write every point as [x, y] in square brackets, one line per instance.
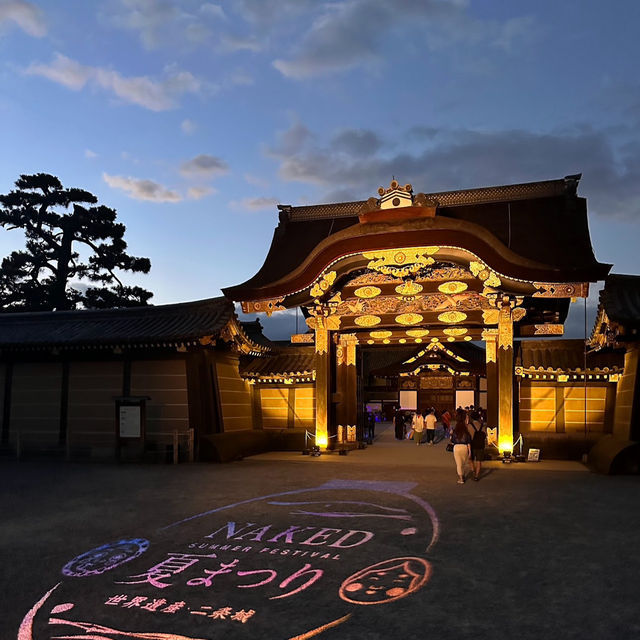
[618, 318]
[287, 365]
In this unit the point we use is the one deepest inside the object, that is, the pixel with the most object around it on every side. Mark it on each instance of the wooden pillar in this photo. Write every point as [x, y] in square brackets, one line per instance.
[505, 378]
[491, 346]
[347, 380]
[323, 382]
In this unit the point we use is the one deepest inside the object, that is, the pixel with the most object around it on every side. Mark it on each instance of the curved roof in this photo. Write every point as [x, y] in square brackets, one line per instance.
[620, 299]
[535, 231]
[173, 323]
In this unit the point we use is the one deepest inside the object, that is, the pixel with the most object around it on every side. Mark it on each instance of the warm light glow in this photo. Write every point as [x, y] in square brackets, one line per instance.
[453, 287]
[505, 444]
[451, 339]
[386, 341]
[418, 340]
[409, 318]
[402, 340]
[322, 440]
[435, 340]
[370, 341]
[367, 292]
[468, 338]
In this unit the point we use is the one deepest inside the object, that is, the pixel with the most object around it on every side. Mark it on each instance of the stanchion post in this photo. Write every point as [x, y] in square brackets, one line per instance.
[175, 447]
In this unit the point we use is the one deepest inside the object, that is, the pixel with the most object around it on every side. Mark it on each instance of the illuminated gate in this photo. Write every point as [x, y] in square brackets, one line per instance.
[483, 264]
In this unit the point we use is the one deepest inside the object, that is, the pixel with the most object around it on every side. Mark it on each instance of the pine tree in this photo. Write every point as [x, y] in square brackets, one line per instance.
[49, 274]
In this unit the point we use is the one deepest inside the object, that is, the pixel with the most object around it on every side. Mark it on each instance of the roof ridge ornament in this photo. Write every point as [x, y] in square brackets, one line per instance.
[393, 199]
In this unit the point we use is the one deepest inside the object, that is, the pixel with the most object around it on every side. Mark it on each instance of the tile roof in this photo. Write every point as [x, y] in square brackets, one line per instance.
[289, 361]
[565, 355]
[126, 326]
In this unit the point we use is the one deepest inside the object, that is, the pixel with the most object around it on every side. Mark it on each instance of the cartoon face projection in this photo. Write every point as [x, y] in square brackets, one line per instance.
[288, 565]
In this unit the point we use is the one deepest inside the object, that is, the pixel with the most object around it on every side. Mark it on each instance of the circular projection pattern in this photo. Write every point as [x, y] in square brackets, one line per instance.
[409, 318]
[417, 333]
[451, 317]
[381, 335]
[454, 331]
[409, 288]
[453, 287]
[104, 558]
[367, 292]
[367, 321]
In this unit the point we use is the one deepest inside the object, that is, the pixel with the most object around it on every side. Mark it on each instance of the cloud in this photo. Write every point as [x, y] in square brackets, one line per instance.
[352, 33]
[357, 142]
[460, 159]
[197, 193]
[141, 189]
[204, 166]
[256, 181]
[254, 204]
[214, 10]
[142, 90]
[188, 126]
[25, 14]
[90, 154]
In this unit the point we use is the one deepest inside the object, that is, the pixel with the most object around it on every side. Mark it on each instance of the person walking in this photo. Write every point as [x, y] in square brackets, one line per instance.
[445, 418]
[430, 425]
[461, 447]
[398, 421]
[418, 427]
[478, 442]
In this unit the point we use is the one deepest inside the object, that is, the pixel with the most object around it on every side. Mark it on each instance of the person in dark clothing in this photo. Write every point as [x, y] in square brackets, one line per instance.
[398, 421]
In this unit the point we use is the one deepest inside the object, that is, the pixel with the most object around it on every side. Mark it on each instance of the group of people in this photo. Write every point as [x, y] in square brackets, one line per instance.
[469, 438]
[468, 435]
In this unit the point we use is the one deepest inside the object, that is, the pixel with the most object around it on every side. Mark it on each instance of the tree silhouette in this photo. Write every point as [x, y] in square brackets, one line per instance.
[50, 273]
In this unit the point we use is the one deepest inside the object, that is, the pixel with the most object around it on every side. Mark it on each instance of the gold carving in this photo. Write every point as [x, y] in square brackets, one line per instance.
[380, 335]
[367, 292]
[518, 313]
[263, 306]
[452, 317]
[409, 318]
[417, 333]
[409, 289]
[302, 338]
[490, 316]
[323, 284]
[340, 354]
[453, 287]
[561, 290]
[367, 321]
[505, 328]
[436, 382]
[322, 340]
[400, 262]
[548, 329]
[454, 331]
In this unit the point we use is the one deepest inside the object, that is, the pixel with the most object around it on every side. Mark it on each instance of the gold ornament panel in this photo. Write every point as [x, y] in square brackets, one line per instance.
[452, 317]
[367, 292]
[454, 331]
[417, 333]
[409, 318]
[454, 286]
[410, 288]
[380, 335]
[367, 321]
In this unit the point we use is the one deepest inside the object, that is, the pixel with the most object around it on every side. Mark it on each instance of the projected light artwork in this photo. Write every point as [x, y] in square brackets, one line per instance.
[290, 565]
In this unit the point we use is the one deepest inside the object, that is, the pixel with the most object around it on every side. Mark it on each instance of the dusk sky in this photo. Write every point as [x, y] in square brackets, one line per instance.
[194, 119]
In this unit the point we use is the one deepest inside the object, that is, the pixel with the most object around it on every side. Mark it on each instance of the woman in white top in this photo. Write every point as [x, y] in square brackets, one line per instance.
[417, 425]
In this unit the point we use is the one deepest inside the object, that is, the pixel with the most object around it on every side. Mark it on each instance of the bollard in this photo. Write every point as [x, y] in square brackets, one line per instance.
[175, 447]
[191, 456]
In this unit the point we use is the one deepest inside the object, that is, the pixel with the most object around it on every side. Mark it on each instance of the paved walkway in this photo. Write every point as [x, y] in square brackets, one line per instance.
[386, 450]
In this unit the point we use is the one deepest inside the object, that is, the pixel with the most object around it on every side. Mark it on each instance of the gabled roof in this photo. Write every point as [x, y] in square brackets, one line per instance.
[151, 325]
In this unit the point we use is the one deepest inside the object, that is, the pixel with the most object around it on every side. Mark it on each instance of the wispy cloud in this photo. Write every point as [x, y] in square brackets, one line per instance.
[26, 15]
[90, 154]
[156, 95]
[254, 204]
[197, 193]
[204, 166]
[142, 189]
[188, 126]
